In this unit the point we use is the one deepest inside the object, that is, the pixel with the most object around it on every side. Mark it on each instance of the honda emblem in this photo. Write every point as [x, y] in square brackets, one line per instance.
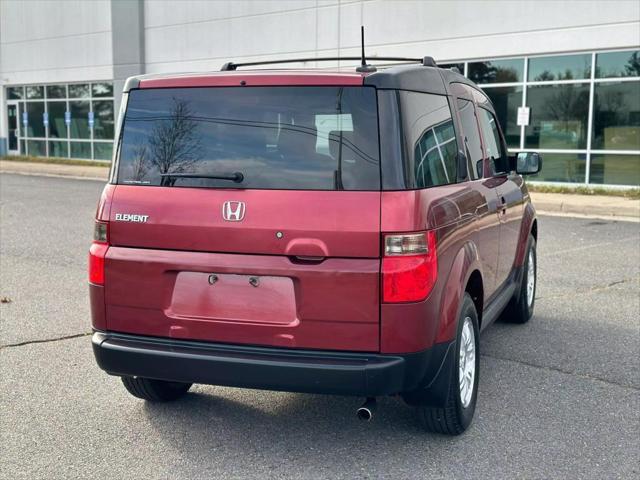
[233, 211]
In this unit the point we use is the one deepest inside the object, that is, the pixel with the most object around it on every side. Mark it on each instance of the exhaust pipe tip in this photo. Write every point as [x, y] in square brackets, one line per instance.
[365, 412]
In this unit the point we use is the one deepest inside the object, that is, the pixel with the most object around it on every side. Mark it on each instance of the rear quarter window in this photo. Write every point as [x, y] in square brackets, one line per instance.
[294, 138]
[430, 138]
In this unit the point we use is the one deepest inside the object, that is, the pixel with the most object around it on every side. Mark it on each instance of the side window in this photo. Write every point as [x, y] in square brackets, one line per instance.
[498, 163]
[473, 146]
[431, 139]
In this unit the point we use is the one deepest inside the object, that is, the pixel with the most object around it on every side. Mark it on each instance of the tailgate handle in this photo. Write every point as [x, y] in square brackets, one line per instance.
[306, 259]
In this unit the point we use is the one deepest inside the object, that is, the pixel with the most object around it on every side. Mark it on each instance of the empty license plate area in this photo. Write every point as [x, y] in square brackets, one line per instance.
[234, 298]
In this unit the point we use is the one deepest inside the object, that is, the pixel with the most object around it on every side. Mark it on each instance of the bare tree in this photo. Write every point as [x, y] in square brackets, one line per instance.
[174, 143]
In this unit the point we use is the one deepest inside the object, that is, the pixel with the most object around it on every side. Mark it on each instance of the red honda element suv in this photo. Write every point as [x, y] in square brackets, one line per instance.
[340, 232]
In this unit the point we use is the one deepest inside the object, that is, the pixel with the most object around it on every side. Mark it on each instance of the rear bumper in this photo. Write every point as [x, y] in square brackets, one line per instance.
[311, 371]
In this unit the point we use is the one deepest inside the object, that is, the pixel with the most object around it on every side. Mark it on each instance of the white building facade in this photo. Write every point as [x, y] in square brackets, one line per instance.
[575, 64]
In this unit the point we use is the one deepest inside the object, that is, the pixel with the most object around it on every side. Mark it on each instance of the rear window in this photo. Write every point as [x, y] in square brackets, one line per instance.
[294, 138]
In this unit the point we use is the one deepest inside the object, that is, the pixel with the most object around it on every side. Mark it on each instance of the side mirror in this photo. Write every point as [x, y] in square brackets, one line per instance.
[528, 163]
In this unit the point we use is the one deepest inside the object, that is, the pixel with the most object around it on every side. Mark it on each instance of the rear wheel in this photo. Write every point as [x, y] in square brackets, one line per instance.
[520, 309]
[456, 415]
[155, 390]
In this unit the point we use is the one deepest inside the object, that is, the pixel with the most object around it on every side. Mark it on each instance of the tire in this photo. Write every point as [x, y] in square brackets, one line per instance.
[456, 415]
[520, 309]
[155, 390]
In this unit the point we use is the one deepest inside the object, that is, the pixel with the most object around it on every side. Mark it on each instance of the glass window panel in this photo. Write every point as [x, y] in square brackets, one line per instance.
[12, 139]
[79, 127]
[78, 90]
[206, 130]
[23, 150]
[35, 91]
[618, 64]
[15, 93]
[102, 151]
[473, 145]
[506, 101]
[495, 154]
[615, 169]
[37, 148]
[497, 71]
[562, 167]
[57, 127]
[21, 129]
[559, 67]
[102, 89]
[103, 115]
[559, 116]
[56, 91]
[58, 149]
[616, 116]
[35, 127]
[430, 139]
[81, 150]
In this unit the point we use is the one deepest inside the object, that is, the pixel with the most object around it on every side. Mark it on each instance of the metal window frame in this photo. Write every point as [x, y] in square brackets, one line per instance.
[592, 81]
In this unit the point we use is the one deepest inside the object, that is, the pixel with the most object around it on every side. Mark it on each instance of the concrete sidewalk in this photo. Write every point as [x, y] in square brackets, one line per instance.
[600, 206]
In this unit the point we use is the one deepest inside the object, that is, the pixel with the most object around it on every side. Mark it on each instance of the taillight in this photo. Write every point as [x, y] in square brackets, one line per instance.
[97, 253]
[409, 267]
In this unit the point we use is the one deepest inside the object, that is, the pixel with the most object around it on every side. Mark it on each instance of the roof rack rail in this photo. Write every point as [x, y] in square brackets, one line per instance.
[231, 66]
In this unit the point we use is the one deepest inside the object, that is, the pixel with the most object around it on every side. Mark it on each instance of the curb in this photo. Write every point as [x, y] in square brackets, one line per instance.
[588, 206]
[611, 218]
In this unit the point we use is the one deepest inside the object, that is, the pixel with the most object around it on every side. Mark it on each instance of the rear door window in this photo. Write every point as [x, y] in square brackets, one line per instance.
[294, 138]
[496, 157]
[473, 145]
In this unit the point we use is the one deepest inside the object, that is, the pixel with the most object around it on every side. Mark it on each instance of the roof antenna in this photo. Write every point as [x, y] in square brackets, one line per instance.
[364, 66]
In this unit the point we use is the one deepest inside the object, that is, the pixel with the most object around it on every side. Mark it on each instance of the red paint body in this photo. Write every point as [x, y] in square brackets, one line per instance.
[320, 282]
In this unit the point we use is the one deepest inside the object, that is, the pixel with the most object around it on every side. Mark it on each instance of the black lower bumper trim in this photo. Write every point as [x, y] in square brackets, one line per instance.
[311, 371]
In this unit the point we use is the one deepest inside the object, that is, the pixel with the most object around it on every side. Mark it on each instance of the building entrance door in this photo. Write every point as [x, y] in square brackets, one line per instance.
[13, 123]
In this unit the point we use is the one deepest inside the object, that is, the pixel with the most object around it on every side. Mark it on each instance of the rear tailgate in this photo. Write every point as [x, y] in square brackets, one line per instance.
[301, 269]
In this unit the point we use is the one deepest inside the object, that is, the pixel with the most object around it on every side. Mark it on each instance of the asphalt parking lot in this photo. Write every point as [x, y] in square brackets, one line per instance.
[559, 397]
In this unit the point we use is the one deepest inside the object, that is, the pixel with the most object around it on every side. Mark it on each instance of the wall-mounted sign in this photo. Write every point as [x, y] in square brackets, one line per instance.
[523, 116]
[92, 120]
[67, 118]
[45, 119]
[25, 118]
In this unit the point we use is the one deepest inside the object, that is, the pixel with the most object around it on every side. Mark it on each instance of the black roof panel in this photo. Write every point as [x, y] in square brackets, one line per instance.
[409, 77]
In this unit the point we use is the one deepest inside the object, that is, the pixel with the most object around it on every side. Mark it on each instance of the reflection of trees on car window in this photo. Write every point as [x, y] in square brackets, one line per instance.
[171, 147]
[140, 163]
[174, 143]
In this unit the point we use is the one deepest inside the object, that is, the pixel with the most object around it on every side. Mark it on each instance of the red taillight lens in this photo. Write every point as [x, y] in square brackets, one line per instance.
[97, 252]
[407, 276]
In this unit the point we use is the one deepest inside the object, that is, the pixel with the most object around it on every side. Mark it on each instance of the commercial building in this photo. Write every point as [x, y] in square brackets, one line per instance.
[575, 65]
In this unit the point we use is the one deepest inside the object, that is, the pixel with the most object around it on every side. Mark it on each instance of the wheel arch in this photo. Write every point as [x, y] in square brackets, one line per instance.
[475, 288]
[529, 226]
[465, 264]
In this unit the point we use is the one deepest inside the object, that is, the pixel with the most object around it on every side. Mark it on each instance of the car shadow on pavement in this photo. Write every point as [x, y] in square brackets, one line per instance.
[287, 424]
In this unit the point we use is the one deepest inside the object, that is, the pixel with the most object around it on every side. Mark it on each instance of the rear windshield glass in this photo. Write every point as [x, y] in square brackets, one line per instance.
[313, 138]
